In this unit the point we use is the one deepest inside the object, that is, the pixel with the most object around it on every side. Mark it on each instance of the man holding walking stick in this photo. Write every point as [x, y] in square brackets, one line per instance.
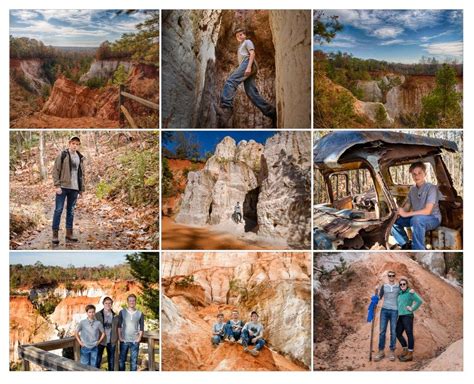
[374, 300]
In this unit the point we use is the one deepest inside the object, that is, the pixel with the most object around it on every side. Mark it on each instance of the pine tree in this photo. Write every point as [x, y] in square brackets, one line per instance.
[441, 107]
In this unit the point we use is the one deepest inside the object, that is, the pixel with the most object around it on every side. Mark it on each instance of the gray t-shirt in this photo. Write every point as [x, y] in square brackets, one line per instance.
[244, 50]
[90, 332]
[427, 193]
[218, 328]
[236, 325]
[237, 209]
[108, 318]
[390, 296]
[75, 161]
[256, 328]
[131, 323]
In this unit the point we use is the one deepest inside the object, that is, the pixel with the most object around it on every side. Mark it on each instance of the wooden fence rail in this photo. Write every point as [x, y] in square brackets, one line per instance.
[123, 111]
[40, 354]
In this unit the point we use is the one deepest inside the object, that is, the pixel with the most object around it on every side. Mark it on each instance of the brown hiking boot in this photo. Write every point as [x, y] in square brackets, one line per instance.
[407, 357]
[391, 356]
[224, 117]
[70, 236]
[254, 352]
[404, 352]
[379, 356]
[55, 239]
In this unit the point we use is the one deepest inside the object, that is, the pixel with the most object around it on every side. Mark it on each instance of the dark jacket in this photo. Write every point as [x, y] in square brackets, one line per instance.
[115, 321]
[62, 171]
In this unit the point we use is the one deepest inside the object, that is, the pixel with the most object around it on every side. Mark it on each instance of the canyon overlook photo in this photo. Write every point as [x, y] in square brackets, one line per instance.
[49, 297]
[199, 54]
[388, 68]
[236, 190]
[84, 68]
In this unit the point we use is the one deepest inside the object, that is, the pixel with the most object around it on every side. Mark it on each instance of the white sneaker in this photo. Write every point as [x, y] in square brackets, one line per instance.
[232, 339]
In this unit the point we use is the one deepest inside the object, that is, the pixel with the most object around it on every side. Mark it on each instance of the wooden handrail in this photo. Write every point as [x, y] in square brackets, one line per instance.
[124, 112]
[40, 354]
[146, 103]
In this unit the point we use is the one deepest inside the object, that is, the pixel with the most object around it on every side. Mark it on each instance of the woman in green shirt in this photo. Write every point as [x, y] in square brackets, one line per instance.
[408, 303]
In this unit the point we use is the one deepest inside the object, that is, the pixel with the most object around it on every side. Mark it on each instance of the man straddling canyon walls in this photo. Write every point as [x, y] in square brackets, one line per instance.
[421, 211]
[131, 326]
[89, 334]
[109, 320]
[244, 73]
[68, 178]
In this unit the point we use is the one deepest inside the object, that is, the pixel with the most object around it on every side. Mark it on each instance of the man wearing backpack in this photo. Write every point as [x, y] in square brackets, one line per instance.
[68, 178]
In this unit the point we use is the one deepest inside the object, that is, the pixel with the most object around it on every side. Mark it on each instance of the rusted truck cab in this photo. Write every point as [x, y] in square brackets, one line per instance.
[366, 178]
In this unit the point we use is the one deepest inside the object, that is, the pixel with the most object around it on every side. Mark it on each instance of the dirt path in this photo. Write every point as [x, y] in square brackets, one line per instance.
[182, 237]
[97, 224]
[41, 120]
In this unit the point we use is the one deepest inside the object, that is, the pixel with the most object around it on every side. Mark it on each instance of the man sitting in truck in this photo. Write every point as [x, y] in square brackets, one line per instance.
[421, 211]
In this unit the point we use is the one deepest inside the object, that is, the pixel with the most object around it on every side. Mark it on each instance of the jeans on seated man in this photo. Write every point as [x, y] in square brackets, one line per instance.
[233, 328]
[421, 211]
[252, 334]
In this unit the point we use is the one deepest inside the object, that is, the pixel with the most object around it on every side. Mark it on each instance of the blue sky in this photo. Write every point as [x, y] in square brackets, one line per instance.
[209, 139]
[72, 28]
[63, 259]
[402, 36]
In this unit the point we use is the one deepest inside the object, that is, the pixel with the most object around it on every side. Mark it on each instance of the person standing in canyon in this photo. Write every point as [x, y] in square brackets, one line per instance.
[131, 326]
[421, 211]
[89, 334]
[69, 181]
[246, 73]
[252, 334]
[408, 303]
[109, 320]
[233, 327]
[389, 314]
[238, 213]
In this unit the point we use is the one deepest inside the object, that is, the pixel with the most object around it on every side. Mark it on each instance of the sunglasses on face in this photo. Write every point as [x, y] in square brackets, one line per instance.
[391, 275]
[402, 284]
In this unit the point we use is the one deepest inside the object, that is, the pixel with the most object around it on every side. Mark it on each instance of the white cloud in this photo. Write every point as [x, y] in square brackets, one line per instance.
[23, 14]
[452, 48]
[392, 42]
[387, 32]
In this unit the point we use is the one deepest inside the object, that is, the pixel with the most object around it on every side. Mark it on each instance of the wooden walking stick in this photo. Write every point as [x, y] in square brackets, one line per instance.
[372, 334]
[372, 312]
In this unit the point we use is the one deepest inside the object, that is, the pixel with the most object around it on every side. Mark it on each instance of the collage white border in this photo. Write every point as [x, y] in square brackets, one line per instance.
[236, 377]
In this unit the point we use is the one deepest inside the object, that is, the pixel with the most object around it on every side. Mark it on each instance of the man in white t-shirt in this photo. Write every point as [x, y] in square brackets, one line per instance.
[244, 73]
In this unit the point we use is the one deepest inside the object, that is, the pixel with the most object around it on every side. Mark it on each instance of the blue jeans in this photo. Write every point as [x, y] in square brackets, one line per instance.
[216, 339]
[89, 356]
[110, 355]
[124, 347]
[230, 333]
[71, 196]
[247, 340]
[388, 315]
[232, 83]
[419, 225]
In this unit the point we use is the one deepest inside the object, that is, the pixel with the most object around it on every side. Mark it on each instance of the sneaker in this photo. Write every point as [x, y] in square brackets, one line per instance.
[246, 349]
[239, 341]
[254, 352]
[407, 246]
[232, 340]
[391, 356]
[379, 356]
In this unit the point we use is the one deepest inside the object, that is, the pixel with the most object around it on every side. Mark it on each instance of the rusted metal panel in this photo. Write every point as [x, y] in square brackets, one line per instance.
[331, 147]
